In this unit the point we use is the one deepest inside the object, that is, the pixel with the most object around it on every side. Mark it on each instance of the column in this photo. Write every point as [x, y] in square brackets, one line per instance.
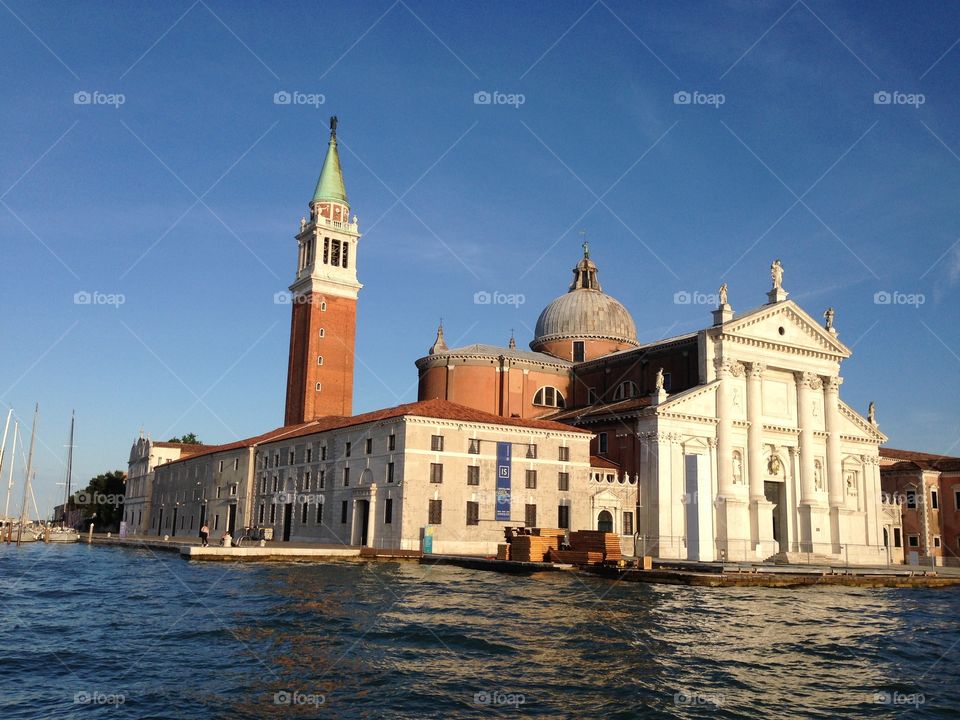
[724, 428]
[834, 469]
[813, 530]
[761, 510]
[733, 517]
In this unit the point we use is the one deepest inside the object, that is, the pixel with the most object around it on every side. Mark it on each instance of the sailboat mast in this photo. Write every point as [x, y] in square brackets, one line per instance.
[3, 445]
[13, 461]
[66, 496]
[26, 484]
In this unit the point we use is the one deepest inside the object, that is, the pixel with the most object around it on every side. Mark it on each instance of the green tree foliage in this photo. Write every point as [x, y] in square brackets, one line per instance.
[188, 439]
[102, 501]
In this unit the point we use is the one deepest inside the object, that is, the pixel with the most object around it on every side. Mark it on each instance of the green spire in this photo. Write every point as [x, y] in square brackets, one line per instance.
[330, 185]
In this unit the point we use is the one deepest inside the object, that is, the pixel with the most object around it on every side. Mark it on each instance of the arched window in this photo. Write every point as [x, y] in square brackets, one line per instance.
[549, 397]
[319, 359]
[626, 389]
[605, 521]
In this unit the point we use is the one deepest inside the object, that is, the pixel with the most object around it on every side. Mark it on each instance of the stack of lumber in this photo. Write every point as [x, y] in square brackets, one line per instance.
[548, 532]
[532, 548]
[595, 541]
[576, 557]
[503, 552]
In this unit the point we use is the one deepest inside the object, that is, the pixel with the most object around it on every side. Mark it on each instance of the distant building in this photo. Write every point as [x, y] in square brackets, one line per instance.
[927, 488]
[145, 456]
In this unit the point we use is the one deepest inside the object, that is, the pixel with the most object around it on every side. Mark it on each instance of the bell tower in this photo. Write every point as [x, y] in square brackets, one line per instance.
[324, 299]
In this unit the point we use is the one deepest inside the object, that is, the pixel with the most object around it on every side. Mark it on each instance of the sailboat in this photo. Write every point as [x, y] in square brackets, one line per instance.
[64, 534]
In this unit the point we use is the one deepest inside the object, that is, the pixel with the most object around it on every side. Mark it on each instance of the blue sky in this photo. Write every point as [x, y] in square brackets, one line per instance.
[181, 184]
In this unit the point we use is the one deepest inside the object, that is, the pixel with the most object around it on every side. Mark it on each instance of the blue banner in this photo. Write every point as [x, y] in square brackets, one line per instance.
[503, 481]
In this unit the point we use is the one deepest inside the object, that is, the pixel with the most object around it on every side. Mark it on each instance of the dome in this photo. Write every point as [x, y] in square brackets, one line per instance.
[585, 312]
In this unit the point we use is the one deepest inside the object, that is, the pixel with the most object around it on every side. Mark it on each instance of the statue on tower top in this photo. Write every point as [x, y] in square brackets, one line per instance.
[776, 273]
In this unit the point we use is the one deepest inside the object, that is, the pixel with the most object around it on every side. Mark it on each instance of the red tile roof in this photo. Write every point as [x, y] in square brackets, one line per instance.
[441, 409]
[601, 462]
[904, 459]
[599, 412]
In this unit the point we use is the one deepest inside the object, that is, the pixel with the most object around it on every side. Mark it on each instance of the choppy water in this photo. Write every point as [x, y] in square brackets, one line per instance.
[95, 631]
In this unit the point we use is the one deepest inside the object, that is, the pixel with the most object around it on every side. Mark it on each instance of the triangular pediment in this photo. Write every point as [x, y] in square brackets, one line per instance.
[855, 424]
[786, 325]
[605, 497]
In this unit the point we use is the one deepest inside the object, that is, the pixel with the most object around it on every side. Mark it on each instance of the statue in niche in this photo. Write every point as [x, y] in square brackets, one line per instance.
[851, 483]
[818, 476]
[737, 468]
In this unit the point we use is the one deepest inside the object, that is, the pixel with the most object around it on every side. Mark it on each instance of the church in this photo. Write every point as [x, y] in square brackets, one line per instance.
[728, 443]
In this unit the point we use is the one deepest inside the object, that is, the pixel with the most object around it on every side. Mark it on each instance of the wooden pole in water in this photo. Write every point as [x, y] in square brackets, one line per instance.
[26, 484]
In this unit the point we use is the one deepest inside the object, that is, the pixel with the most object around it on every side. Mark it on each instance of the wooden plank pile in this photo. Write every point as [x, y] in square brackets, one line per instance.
[595, 541]
[576, 557]
[503, 551]
[533, 548]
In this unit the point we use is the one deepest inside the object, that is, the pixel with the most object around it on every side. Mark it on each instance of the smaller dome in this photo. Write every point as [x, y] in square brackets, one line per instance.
[585, 312]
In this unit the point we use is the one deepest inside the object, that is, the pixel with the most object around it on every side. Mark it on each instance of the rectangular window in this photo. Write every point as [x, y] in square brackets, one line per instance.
[273, 513]
[436, 443]
[897, 540]
[578, 350]
[335, 253]
[309, 454]
[390, 472]
[474, 447]
[260, 515]
[276, 459]
[913, 540]
[292, 458]
[306, 481]
[388, 511]
[436, 473]
[343, 512]
[392, 442]
[934, 500]
[912, 499]
[473, 513]
[628, 523]
[326, 250]
[349, 447]
[936, 541]
[220, 466]
[563, 517]
[346, 477]
[531, 479]
[563, 481]
[346, 254]
[563, 454]
[434, 512]
[233, 489]
[236, 463]
[276, 481]
[303, 513]
[322, 477]
[602, 442]
[319, 513]
[219, 490]
[532, 451]
[323, 452]
[216, 522]
[369, 446]
[956, 499]
[473, 474]
[530, 515]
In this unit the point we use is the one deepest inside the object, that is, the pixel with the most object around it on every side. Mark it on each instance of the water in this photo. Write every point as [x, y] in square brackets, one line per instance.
[110, 632]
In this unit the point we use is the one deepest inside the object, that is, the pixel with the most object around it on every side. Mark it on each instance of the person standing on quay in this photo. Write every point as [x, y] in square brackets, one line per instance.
[204, 533]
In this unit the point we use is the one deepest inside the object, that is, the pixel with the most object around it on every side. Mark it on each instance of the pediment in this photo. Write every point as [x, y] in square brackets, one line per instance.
[605, 497]
[855, 424]
[800, 331]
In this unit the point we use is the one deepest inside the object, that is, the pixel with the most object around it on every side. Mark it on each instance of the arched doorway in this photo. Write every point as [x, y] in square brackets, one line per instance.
[605, 521]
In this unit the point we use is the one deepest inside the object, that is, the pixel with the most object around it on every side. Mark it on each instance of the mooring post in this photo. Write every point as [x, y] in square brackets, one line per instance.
[90, 534]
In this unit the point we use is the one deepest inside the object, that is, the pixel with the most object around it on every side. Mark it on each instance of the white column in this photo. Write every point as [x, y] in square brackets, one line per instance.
[724, 428]
[831, 412]
[814, 520]
[755, 467]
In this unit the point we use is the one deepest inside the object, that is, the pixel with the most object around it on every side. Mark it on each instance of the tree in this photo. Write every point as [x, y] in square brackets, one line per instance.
[188, 439]
[102, 501]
